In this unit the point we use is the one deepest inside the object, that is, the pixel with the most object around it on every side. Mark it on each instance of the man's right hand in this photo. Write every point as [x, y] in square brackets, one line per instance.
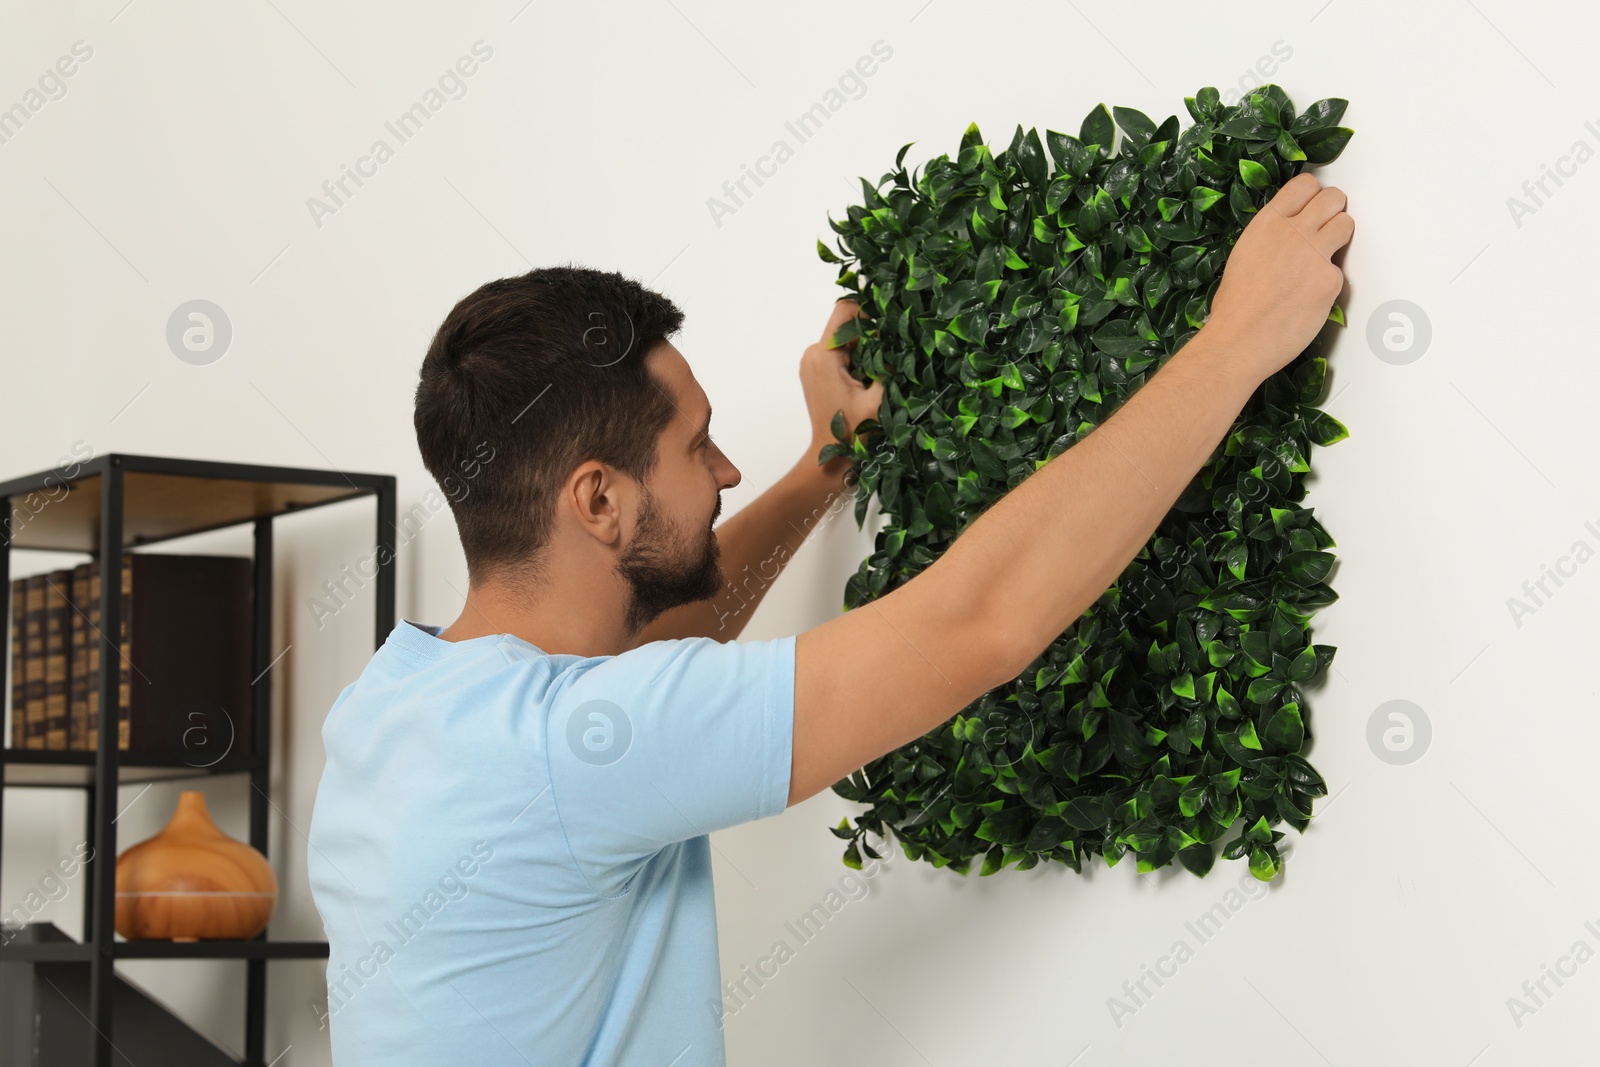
[1280, 280]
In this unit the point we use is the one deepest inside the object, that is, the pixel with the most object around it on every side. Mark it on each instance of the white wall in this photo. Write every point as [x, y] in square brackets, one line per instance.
[179, 164]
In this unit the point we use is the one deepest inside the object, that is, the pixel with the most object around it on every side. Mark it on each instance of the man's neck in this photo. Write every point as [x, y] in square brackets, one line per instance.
[558, 621]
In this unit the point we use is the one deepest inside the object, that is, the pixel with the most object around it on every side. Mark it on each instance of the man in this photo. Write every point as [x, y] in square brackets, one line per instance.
[509, 846]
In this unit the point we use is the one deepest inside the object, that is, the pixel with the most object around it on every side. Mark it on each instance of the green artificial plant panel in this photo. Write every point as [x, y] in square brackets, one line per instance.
[1010, 302]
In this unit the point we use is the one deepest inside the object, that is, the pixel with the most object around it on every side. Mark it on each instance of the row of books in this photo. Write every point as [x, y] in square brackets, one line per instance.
[182, 654]
[55, 665]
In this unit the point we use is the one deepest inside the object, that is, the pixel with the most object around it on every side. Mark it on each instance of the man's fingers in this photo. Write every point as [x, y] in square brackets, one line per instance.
[1296, 193]
[1335, 233]
[1322, 207]
[1317, 212]
[843, 311]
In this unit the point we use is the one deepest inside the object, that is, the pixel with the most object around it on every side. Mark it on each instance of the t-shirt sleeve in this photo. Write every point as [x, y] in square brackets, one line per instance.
[669, 741]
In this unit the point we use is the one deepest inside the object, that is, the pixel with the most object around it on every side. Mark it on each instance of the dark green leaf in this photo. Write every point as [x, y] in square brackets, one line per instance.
[1285, 731]
[1136, 124]
[1098, 128]
[1320, 115]
[1324, 146]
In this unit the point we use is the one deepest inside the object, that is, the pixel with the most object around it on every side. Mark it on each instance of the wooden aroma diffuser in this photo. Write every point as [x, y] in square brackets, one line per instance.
[192, 881]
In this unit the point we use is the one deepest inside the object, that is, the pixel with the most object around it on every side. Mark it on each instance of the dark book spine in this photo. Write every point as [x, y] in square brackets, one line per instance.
[19, 661]
[34, 640]
[77, 663]
[124, 698]
[96, 649]
[191, 633]
[57, 638]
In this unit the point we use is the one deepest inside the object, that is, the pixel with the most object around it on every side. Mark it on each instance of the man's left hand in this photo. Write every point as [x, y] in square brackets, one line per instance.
[830, 387]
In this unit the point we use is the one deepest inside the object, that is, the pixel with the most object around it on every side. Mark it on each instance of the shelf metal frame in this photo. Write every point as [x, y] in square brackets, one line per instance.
[100, 948]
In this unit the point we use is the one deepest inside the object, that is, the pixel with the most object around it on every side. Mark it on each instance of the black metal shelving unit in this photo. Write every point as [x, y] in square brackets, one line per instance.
[110, 504]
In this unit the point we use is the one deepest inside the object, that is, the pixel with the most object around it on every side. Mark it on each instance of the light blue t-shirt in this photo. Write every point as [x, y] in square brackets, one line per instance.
[508, 848]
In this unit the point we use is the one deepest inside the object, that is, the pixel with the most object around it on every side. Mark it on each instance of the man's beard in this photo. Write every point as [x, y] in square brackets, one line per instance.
[659, 576]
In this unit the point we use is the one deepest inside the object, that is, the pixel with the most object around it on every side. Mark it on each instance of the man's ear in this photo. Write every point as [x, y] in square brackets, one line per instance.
[596, 496]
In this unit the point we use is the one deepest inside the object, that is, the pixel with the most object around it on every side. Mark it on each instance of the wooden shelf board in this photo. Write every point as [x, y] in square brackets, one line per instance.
[58, 769]
[158, 507]
[68, 951]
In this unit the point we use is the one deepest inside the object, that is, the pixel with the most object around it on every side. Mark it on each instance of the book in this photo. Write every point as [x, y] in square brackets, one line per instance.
[125, 667]
[33, 653]
[57, 634]
[97, 646]
[187, 654]
[19, 682]
[95, 642]
[77, 662]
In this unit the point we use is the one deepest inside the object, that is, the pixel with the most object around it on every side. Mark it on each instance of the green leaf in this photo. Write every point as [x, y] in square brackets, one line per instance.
[1304, 668]
[1260, 691]
[1236, 558]
[1285, 731]
[1320, 116]
[1151, 153]
[987, 461]
[1136, 124]
[1227, 704]
[1311, 378]
[1203, 197]
[970, 327]
[1327, 430]
[1325, 146]
[1098, 128]
[1059, 192]
[1198, 859]
[1061, 147]
[1049, 832]
[1085, 813]
[1204, 105]
[1263, 864]
[1306, 568]
[1247, 736]
[1254, 174]
[852, 329]
[1030, 159]
[1266, 106]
